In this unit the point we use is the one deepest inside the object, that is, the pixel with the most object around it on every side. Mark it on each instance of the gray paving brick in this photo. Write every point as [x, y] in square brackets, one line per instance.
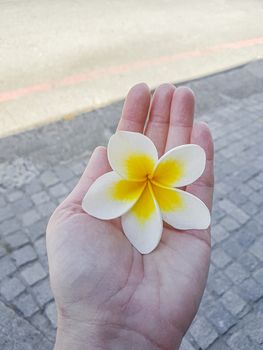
[22, 205]
[186, 345]
[72, 183]
[236, 272]
[24, 255]
[42, 292]
[9, 226]
[11, 287]
[33, 273]
[6, 212]
[41, 322]
[248, 233]
[233, 248]
[258, 275]
[220, 318]
[58, 190]
[230, 224]
[51, 313]
[220, 258]
[219, 233]
[40, 197]
[203, 332]
[36, 230]
[233, 302]
[254, 328]
[2, 250]
[2, 201]
[250, 208]
[13, 196]
[234, 211]
[49, 178]
[239, 341]
[77, 167]
[40, 247]
[16, 240]
[257, 249]
[30, 217]
[249, 261]
[218, 283]
[250, 290]
[26, 304]
[64, 173]
[33, 187]
[7, 267]
[46, 209]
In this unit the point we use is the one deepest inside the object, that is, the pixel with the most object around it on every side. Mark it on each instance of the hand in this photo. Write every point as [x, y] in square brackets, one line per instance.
[108, 295]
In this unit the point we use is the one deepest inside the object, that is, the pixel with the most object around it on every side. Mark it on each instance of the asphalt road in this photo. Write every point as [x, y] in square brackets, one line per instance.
[58, 58]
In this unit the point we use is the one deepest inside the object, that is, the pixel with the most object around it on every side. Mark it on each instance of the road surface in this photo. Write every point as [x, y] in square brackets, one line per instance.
[59, 58]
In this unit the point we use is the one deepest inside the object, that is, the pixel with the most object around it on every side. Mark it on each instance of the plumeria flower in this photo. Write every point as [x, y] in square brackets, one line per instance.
[144, 190]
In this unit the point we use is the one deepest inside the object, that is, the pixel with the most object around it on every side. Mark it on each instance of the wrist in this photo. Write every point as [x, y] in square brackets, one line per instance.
[83, 336]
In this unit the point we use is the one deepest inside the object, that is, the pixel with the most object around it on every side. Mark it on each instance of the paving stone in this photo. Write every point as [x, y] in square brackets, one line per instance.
[218, 283]
[2, 250]
[22, 205]
[11, 287]
[26, 304]
[36, 230]
[18, 334]
[33, 187]
[257, 249]
[2, 202]
[230, 224]
[33, 273]
[41, 322]
[7, 267]
[233, 302]
[42, 292]
[186, 345]
[46, 209]
[234, 211]
[250, 208]
[64, 173]
[248, 233]
[49, 178]
[13, 196]
[239, 341]
[51, 313]
[40, 247]
[220, 318]
[233, 248]
[58, 190]
[9, 226]
[6, 213]
[220, 258]
[250, 290]
[219, 233]
[203, 333]
[236, 273]
[254, 328]
[258, 275]
[16, 240]
[78, 168]
[249, 261]
[219, 344]
[40, 197]
[72, 183]
[30, 217]
[24, 255]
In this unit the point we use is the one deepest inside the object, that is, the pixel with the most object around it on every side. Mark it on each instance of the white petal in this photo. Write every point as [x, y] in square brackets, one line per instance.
[143, 224]
[132, 155]
[180, 166]
[110, 196]
[181, 209]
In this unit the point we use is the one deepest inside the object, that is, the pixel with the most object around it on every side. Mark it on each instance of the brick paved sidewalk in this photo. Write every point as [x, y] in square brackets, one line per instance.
[38, 168]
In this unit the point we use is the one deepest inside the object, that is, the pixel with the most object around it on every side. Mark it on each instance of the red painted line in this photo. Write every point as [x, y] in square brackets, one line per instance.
[124, 68]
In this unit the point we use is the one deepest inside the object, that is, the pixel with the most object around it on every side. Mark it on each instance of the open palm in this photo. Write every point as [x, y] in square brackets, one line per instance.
[108, 295]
